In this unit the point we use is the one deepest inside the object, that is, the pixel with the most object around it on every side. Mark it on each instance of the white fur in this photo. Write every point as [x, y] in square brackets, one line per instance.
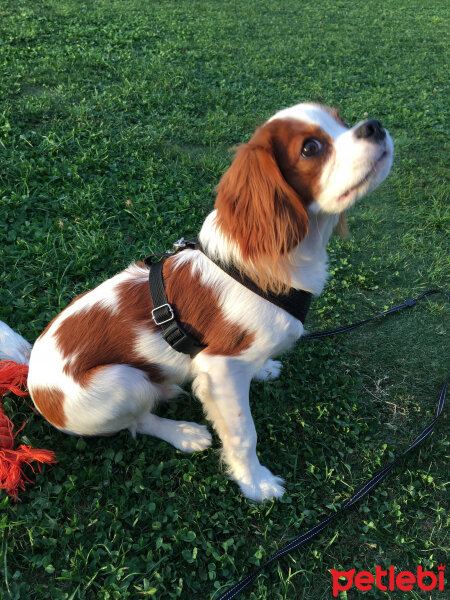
[269, 371]
[121, 396]
[13, 346]
[313, 114]
[353, 159]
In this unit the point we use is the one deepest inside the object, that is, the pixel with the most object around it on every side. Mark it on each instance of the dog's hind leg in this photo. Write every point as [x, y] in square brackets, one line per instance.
[188, 437]
[101, 401]
[122, 397]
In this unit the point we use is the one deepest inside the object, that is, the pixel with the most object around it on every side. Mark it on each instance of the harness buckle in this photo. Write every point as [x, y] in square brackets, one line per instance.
[169, 308]
[181, 243]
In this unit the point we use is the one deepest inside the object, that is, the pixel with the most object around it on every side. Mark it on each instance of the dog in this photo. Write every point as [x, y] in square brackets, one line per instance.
[102, 364]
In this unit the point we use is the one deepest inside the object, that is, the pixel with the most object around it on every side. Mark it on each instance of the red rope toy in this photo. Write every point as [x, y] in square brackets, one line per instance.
[13, 378]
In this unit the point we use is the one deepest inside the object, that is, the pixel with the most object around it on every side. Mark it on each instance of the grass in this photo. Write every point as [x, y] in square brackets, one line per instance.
[115, 124]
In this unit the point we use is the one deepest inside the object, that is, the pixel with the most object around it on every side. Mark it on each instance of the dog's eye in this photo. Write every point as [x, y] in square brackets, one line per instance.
[311, 147]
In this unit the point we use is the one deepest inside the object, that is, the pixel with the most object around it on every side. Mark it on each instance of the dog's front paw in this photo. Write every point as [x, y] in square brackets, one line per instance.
[270, 370]
[263, 485]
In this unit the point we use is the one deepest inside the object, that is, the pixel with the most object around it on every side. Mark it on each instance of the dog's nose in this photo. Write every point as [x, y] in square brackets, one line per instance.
[371, 130]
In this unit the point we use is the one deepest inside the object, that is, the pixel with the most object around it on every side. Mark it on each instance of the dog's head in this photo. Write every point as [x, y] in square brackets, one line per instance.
[304, 158]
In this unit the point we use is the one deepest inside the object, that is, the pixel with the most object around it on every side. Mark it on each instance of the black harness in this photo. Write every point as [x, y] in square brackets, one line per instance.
[295, 302]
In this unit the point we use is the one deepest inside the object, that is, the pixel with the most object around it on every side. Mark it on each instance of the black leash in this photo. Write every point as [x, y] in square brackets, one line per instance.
[408, 303]
[299, 541]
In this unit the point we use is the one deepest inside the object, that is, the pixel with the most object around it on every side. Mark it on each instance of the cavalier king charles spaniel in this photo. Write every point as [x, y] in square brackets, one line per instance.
[102, 364]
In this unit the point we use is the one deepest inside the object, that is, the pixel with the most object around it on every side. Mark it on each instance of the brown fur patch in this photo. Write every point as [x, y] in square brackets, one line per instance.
[197, 308]
[262, 198]
[50, 403]
[302, 174]
[96, 337]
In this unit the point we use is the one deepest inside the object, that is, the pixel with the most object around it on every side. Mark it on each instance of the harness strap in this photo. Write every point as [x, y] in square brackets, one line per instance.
[164, 316]
[295, 302]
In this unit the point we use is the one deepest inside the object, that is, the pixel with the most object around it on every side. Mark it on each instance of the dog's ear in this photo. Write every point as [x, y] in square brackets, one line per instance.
[260, 212]
[342, 227]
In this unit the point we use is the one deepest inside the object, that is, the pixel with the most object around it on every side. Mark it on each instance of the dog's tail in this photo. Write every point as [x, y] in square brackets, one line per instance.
[13, 346]
[14, 358]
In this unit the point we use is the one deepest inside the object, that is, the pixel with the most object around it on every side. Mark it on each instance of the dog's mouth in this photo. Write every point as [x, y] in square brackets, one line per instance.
[366, 177]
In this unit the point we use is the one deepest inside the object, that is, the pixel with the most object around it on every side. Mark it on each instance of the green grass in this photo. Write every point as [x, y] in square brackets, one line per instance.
[115, 124]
